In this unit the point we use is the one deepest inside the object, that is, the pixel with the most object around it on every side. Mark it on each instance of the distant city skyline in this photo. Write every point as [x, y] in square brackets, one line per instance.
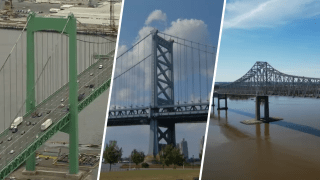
[183, 147]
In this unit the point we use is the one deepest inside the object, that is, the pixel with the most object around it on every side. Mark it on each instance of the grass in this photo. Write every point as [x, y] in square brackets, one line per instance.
[151, 174]
[126, 166]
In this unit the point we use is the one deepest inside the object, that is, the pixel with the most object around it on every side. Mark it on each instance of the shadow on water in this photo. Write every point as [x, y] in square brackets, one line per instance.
[242, 113]
[290, 125]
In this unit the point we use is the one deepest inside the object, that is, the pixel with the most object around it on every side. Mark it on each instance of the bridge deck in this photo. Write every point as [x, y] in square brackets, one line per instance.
[184, 113]
[20, 142]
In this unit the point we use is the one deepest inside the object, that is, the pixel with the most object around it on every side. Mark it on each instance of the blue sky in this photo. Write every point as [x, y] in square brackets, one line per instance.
[198, 21]
[284, 33]
[136, 12]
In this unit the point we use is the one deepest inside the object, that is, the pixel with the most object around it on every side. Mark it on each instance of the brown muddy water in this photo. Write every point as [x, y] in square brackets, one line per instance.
[287, 149]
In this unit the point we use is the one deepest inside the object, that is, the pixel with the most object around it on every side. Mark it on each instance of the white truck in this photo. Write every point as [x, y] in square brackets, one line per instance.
[16, 122]
[46, 124]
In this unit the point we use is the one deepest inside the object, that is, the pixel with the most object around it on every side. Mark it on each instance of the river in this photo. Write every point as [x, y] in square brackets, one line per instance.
[286, 149]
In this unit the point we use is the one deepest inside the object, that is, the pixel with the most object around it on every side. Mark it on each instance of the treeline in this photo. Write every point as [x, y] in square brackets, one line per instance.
[169, 155]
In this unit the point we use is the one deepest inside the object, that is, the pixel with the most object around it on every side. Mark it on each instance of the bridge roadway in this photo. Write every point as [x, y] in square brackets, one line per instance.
[20, 142]
[180, 113]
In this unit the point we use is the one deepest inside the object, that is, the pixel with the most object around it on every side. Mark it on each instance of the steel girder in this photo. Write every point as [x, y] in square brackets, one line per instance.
[263, 79]
[15, 163]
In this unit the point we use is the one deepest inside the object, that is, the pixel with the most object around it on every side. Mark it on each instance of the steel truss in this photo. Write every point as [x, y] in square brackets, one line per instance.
[262, 79]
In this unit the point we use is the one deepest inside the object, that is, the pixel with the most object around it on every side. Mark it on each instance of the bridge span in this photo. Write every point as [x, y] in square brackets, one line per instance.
[261, 81]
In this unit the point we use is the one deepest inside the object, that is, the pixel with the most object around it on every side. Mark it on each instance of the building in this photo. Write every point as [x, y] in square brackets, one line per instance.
[183, 146]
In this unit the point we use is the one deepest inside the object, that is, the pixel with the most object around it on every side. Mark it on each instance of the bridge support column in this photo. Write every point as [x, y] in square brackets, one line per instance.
[169, 135]
[225, 97]
[266, 107]
[153, 138]
[30, 92]
[73, 98]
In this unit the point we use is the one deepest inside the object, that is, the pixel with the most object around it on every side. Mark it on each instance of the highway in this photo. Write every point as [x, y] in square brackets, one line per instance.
[91, 76]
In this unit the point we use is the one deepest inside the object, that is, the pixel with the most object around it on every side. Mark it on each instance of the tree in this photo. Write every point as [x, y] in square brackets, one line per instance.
[171, 155]
[112, 154]
[137, 156]
[165, 155]
[177, 157]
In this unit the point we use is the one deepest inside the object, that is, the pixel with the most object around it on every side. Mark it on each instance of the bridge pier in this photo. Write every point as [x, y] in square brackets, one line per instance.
[153, 138]
[225, 97]
[156, 135]
[266, 107]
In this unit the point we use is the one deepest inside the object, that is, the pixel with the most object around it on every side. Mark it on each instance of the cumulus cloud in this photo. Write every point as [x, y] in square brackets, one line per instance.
[190, 29]
[156, 15]
[249, 14]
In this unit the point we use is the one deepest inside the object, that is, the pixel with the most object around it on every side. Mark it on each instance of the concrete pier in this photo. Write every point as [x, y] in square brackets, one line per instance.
[225, 97]
[266, 118]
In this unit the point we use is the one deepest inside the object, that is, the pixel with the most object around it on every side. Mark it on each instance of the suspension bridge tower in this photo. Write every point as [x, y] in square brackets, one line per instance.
[162, 91]
[64, 26]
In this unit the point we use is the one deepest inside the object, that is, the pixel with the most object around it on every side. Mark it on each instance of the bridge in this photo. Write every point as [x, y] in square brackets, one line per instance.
[50, 73]
[262, 80]
[160, 81]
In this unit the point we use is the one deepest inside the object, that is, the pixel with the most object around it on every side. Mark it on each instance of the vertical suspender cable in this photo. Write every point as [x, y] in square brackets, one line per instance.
[10, 84]
[199, 70]
[16, 80]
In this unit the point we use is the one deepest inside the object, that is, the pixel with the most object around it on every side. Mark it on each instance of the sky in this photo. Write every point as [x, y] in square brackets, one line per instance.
[198, 21]
[284, 33]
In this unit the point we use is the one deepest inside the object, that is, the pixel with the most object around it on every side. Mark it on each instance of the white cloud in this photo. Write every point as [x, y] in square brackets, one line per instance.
[248, 14]
[122, 49]
[189, 29]
[156, 15]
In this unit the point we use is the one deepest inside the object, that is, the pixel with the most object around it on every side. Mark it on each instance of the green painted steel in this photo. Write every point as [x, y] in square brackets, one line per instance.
[67, 26]
[73, 97]
[53, 129]
[69, 123]
[30, 93]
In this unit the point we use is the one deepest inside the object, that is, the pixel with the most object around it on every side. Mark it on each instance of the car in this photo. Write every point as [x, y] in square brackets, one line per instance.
[34, 115]
[22, 132]
[37, 136]
[9, 138]
[28, 123]
[48, 112]
[34, 123]
[39, 114]
[1, 142]
[14, 130]
[62, 100]
[61, 105]
[100, 66]
[81, 96]
[91, 85]
[78, 81]
[86, 86]
[12, 151]
[91, 74]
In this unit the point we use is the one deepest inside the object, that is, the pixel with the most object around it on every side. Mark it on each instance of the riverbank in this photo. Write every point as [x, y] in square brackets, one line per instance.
[151, 174]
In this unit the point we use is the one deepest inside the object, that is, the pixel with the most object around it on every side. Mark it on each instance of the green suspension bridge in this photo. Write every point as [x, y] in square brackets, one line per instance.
[50, 73]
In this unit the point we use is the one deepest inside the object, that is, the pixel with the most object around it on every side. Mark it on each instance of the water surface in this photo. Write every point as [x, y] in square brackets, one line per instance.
[287, 149]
